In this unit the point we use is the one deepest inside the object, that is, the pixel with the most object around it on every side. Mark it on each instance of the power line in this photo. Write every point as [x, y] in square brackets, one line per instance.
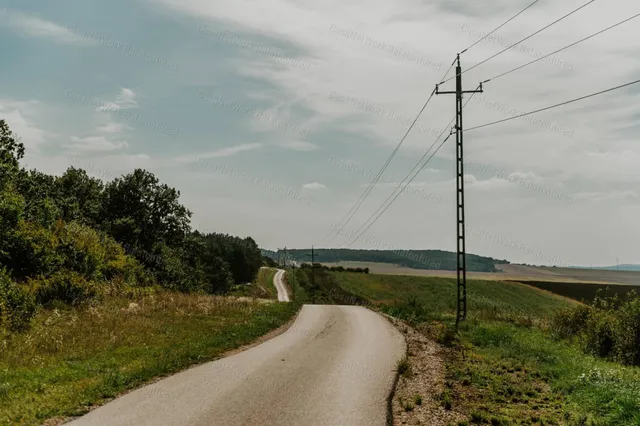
[555, 106]
[401, 191]
[505, 23]
[405, 178]
[564, 48]
[358, 232]
[375, 180]
[526, 38]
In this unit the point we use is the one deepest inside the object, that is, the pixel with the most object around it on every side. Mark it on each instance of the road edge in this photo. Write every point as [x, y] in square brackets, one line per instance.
[58, 421]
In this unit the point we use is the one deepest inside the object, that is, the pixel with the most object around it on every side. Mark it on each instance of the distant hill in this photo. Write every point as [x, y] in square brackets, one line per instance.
[626, 267]
[417, 259]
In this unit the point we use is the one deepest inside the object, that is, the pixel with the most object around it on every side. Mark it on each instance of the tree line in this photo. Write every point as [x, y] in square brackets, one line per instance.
[417, 259]
[317, 266]
[73, 237]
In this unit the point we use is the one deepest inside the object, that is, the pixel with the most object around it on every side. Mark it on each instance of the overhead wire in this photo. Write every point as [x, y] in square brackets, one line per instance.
[502, 25]
[524, 39]
[554, 106]
[564, 48]
[360, 230]
[377, 177]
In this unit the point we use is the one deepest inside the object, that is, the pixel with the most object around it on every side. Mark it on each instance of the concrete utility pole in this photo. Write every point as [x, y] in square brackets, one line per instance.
[461, 303]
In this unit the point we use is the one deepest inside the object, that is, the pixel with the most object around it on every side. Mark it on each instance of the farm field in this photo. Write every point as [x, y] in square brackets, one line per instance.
[511, 273]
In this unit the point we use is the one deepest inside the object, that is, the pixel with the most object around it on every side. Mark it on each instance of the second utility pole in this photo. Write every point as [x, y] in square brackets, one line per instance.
[313, 267]
[461, 303]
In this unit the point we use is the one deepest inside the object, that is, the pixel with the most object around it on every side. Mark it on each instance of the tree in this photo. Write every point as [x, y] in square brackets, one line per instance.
[242, 255]
[79, 196]
[11, 152]
[140, 212]
[41, 195]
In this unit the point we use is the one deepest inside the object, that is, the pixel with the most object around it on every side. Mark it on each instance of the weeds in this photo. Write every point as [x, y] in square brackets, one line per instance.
[417, 399]
[404, 367]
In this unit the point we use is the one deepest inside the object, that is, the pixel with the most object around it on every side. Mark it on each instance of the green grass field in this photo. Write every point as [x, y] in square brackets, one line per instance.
[438, 295]
[504, 367]
[74, 358]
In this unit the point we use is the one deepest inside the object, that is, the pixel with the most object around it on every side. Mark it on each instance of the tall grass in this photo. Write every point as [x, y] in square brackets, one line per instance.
[73, 358]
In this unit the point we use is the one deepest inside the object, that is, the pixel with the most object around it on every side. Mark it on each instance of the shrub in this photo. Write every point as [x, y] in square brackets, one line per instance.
[65, 286]
[627, 334]
[31, 251]
[17, 306]
[81, 249]
[610, 327]
[598, 336]
[569, 322]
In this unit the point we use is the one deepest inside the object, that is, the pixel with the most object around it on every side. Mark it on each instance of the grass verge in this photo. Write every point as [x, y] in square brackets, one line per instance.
[263, 286]
[76, 358]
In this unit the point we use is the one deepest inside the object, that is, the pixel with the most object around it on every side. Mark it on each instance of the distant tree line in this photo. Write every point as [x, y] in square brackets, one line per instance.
[72, 237]
[417, 259]
[335, 268]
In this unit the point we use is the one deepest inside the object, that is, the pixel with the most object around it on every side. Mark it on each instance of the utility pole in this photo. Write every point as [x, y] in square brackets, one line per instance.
[461, 303]
[313, 268]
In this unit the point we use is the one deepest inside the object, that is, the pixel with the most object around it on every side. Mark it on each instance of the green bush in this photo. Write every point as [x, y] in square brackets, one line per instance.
[600, 330]
[32, 251]
[17, 306]
[65, 286]
[609, 328]
[627, 334]
[97, 256]
[569, 322]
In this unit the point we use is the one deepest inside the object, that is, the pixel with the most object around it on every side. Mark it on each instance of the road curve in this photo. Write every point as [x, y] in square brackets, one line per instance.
[283, 295]
[335, 366]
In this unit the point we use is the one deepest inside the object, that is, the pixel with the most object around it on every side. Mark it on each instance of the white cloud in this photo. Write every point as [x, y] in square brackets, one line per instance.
[37, 27]
[112, 127]
[298, 145]
[94, 144]
[21, 117]
[314, 185]
[126, 99]
[229, 151]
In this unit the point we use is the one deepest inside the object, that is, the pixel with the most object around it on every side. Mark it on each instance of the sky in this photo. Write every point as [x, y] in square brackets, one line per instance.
[271, 117]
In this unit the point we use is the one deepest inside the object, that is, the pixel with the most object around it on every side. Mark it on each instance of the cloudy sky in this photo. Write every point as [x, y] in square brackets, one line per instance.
[272, 116]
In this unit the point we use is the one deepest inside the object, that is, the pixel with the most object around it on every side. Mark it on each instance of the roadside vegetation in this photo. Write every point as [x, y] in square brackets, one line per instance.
[75, 358]
[524, 356]
[319, 286]
[105, 285]
[262, 287]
